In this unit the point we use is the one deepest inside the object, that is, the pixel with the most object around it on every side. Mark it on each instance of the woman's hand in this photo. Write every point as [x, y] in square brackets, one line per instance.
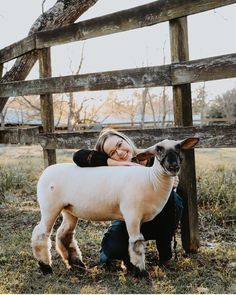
[176, 182]
[111, 162]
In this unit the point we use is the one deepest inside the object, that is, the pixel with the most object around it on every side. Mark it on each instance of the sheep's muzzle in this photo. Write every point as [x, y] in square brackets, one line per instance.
[171, 162]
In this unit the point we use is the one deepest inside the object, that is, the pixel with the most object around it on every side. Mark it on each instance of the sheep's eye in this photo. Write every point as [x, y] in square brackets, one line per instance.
[159, 148]
[177, 147]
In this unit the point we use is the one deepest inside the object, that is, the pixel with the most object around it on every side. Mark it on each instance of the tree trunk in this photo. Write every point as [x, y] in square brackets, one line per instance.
[64, 12]
[164, 111]
[2, 119]
[72, 105]
[71, 115]
[144, 102]
[203, 103]
[153, 111]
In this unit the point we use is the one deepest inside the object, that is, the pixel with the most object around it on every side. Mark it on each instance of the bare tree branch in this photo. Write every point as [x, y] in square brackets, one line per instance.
[64, 12]
[43, 5]
[31, 104]
[81, 59]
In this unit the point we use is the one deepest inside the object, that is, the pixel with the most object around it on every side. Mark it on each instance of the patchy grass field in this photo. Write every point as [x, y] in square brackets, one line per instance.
[211, 270]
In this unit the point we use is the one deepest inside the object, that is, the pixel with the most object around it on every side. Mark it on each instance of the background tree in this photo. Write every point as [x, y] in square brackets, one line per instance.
[74, 113]
[64, 12]
[224, 106]
[144, 100]
[116, 106]
[27, 109]
[151, 101]
[199, 103]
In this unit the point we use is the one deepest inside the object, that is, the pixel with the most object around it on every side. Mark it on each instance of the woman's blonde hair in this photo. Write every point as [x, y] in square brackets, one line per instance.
[108, 132]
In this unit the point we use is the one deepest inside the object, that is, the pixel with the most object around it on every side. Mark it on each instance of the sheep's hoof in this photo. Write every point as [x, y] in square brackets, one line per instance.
[77, 263]
[140, 273]
[45, 268]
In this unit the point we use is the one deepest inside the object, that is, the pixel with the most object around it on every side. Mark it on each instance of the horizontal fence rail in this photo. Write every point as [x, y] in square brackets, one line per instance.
[133, 18]
[21, 135]
[210, 137]
[213, 68]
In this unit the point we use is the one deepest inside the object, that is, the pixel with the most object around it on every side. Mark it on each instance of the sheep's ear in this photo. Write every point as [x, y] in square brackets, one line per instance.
[146, 154]
[189, 143]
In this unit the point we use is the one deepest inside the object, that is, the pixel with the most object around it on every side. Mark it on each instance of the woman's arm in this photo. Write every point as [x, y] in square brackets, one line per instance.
[90, 158]
[111, 162]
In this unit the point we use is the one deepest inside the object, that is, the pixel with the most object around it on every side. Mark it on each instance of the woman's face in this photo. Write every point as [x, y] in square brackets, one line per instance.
[118, 149]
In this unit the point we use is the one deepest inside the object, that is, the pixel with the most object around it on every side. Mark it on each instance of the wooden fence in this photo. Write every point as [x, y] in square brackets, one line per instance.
[179, 74]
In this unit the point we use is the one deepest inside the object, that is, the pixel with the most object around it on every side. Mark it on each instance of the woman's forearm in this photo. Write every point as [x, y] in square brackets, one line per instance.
[90, 158]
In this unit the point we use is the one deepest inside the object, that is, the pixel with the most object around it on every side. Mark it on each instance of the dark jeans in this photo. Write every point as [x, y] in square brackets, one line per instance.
[115, 241]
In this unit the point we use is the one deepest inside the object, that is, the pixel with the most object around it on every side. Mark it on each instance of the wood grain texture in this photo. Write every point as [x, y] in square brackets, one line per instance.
[184, 72]
[129, 19]
[183, 117]
[46, 103]
[210, 137]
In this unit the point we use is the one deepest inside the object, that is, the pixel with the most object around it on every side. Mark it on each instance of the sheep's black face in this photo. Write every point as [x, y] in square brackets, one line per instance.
[169, 153]
[170, 159]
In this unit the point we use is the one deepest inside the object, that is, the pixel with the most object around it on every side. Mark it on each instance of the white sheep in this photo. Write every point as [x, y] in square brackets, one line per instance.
[133, 194]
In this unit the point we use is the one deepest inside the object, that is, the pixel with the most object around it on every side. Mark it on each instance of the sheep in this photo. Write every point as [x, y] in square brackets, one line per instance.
[134, 194]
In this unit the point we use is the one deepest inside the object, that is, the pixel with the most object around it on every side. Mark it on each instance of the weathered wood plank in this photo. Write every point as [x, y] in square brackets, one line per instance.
[129, 19]
[46, 102]
[207, 69]
[131, 78]
[1, 70]
[180, 53]
[213, 68]
[210, 137]
[183, 117]
[18, 48]
[27, 136]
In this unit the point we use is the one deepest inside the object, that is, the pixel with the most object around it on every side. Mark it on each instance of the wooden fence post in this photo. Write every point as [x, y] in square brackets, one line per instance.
[46, 102]
[183, 117]
[1, 70]
[1, 112]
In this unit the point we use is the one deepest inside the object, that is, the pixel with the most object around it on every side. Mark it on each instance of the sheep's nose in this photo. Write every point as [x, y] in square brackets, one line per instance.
[174, 167]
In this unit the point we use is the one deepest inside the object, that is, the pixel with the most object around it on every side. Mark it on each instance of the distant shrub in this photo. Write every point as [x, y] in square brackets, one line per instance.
[16, 180]
[216, 193]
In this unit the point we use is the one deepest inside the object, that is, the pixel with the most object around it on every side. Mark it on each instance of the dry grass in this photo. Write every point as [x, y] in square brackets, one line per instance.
[211, 270]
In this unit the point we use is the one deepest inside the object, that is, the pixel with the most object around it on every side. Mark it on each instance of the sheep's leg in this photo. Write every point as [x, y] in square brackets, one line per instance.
[66, 243]
[136, 243]
[41, 243]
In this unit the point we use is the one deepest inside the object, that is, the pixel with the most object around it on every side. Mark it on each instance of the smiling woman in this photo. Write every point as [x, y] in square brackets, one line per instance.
[117, 146]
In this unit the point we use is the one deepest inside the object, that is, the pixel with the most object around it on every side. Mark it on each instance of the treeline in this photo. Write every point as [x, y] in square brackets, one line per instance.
[221, 106]
[77, 111]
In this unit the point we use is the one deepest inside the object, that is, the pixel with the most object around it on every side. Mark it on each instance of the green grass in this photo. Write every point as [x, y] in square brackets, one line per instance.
[211, 270]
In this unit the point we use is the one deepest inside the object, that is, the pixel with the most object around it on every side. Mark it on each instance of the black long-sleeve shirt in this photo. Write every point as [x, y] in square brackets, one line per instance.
[90, 158]
[93, 158]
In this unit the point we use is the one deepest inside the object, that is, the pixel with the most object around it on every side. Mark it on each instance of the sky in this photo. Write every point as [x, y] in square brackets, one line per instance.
[211, 33]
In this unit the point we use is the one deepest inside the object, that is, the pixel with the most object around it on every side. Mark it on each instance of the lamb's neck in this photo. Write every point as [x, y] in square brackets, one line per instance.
[160, 180]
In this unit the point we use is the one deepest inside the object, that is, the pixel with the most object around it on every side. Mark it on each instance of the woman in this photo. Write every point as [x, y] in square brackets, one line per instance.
[116, 149]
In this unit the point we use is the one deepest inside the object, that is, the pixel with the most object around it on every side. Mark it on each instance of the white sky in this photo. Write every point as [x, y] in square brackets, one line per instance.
[211, 33]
